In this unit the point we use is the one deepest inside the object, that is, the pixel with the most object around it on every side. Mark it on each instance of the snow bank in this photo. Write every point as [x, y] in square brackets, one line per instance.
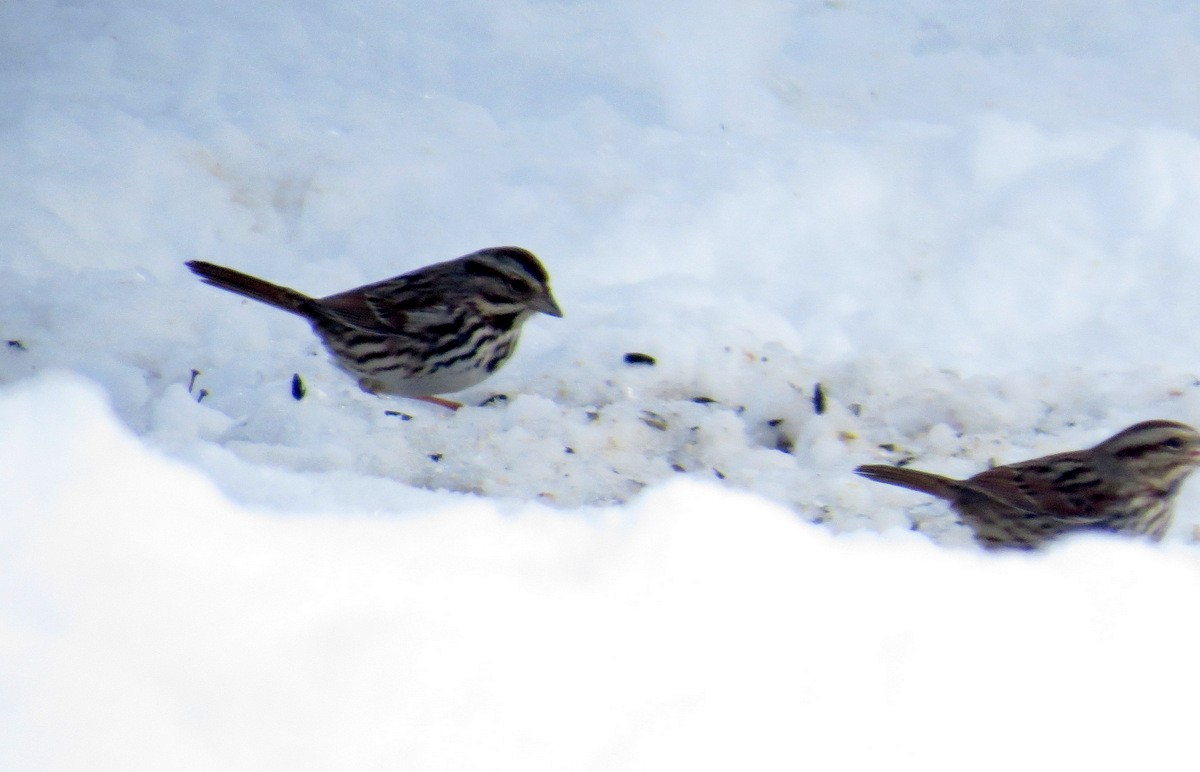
[150, 622]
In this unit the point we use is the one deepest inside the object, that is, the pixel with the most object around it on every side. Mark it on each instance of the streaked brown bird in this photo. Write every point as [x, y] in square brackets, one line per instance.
[438, 329]
[1126, 484]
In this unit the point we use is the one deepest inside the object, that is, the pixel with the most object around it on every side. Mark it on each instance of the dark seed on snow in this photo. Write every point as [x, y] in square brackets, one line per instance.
[653, 420]
[638, 358]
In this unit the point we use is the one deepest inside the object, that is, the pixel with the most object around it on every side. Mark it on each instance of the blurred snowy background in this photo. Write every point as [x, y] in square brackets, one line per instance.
[973, 229]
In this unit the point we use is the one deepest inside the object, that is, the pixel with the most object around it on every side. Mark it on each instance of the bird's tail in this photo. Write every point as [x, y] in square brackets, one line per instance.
[913, 479]
[251, 287]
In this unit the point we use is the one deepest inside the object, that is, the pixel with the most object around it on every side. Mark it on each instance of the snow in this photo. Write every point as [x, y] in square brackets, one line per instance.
[975, 228]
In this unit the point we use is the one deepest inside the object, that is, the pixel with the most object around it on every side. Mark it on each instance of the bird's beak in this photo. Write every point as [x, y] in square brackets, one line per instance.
[547, 305]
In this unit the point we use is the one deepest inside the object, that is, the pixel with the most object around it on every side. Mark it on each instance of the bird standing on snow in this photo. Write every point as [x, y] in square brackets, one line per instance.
[438, 329]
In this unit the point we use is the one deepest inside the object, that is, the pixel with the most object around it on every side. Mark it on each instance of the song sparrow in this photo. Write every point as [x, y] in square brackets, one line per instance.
[1126, 484]
[438, 329]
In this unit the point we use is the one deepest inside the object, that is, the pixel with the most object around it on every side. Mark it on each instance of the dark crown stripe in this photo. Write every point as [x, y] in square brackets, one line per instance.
[527, 261]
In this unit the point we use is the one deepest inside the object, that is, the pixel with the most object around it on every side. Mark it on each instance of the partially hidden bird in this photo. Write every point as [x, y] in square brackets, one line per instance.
[1126, 484]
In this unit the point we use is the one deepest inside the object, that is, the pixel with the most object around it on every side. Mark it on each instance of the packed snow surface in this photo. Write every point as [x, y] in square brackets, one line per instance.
[829, 233]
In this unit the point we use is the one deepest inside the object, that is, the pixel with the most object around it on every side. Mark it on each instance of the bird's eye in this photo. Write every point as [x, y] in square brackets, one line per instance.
[517, 285]
[1174, 443]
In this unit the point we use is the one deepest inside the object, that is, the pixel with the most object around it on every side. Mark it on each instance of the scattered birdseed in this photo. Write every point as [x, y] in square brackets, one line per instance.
[653, 420]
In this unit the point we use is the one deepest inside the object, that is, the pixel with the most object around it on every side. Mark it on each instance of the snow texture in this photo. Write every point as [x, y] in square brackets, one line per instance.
[839, 232]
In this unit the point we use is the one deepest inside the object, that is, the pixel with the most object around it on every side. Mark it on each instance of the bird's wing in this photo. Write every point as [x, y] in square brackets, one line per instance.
[405, 305]
[1058, 487]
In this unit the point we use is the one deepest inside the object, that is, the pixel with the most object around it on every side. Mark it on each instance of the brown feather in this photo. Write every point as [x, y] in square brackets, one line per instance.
[250, 286]
[913, 479]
